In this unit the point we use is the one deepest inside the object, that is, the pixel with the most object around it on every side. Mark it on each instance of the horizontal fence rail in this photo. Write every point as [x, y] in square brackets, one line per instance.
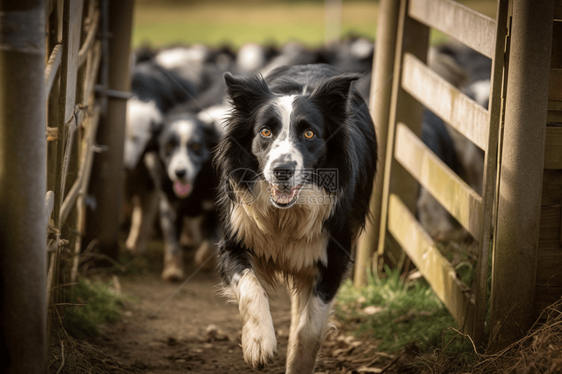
[446, 186]
[428, 259]
[448, 102]
[475, 30]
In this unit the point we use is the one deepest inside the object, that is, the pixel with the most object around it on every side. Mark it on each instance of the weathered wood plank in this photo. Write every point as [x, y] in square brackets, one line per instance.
[474, 29]
[551, 188]
[549, 259]
[480, 287]
[73, 46]
[545, 297]
[555, 85]
[81, 183]
[413, 38]
[447, 187]
[553, 148]
[52, 67]
[422, 251]
[558, 9]
[454, 107]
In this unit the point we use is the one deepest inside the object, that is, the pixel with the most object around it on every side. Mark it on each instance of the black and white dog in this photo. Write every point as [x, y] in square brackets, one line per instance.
[187, 183]
[281, 219]
[156, 92]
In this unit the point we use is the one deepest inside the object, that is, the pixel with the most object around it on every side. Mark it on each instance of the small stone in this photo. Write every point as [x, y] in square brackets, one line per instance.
[371, 309]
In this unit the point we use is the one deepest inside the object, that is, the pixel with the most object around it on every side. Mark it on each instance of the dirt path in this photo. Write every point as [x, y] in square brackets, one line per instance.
[176, 340]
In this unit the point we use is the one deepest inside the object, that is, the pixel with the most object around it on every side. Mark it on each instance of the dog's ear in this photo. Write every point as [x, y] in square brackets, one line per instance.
[333, 94]
[246, 92]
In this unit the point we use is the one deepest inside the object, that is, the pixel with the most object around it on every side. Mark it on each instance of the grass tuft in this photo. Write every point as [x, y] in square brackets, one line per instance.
[99, 304]
[399, 313]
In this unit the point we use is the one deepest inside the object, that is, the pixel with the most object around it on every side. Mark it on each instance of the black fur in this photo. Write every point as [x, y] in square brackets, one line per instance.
[348, 143]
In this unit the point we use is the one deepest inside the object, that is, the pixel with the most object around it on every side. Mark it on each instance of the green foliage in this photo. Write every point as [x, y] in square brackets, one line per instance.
[100, 304]
[409, 312]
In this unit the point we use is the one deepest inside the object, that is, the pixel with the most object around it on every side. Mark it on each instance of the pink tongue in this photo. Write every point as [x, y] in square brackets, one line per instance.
[181, 189]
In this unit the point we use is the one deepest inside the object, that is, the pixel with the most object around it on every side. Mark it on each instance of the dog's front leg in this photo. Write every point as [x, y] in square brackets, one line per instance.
[144, 211]
[259, 343]
[173, 260]
[312, 307]
[307, 331]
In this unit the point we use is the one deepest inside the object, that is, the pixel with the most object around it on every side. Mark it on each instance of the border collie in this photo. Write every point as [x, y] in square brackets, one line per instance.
[187, 181]
[285, 140]
[156, 92]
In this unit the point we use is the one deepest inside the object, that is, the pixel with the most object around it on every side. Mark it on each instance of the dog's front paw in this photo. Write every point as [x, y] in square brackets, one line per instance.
[173, 268]
[258, 343]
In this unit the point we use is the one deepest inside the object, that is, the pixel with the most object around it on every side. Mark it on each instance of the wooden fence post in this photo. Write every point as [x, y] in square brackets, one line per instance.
[23, 322]
[379, 106]
[103, 219]
[516, 245]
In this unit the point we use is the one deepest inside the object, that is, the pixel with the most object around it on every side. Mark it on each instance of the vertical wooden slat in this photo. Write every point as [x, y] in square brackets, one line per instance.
[516, 243]
[103, 222]
[22, 187]
[413, 37]
[490, 162]
[379, 107]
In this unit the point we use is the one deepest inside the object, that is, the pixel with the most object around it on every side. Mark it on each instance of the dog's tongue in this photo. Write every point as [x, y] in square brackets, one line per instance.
[181, 189]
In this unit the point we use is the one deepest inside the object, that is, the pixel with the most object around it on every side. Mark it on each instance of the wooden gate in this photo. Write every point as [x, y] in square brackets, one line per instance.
[407, 157]
[521, 99]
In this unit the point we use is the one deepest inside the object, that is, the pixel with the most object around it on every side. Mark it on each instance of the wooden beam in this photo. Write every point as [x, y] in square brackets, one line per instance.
[413, 38]
[447, 187]
[443, 99]
[480, 286]
[379, 107]
[23, 317]
[474, 29]
[555, 85]
[553, 148]
[522, 168]
[433, 265]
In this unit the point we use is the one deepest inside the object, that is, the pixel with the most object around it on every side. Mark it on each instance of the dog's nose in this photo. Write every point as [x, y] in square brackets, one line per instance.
[283, 172]
[180, 173]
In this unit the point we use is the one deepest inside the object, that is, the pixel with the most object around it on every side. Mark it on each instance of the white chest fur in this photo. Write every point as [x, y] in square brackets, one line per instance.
[294, 238]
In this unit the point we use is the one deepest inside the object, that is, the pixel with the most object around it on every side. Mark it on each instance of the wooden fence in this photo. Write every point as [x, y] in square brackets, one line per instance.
[71, 74]
[409, 162]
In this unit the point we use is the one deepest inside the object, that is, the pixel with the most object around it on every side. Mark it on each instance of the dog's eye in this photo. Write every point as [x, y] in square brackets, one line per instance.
[195, 147]
[309, 134]
[170, 147]
[265, 132]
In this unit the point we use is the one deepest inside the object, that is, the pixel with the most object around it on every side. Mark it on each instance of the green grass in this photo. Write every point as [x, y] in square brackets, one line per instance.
[100, 305]
[409, 313]
[274, 22]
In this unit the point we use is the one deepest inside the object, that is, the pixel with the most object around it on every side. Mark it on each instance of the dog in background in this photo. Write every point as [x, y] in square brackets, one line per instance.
[281, 219]
[182, 170]
[156, 91]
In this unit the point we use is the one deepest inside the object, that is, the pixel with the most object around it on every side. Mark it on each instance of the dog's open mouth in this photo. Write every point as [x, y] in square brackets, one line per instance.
[283, 197]
[182, 190]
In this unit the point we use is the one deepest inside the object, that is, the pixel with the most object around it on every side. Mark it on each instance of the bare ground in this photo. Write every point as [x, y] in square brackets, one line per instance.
[178, 340]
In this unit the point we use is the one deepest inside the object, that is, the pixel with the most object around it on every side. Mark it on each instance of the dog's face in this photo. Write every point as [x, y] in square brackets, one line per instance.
[289, 132]
[288, 142]
[184, 149]
[143, 121]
